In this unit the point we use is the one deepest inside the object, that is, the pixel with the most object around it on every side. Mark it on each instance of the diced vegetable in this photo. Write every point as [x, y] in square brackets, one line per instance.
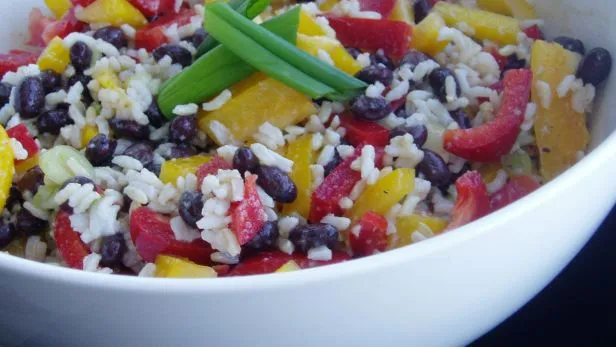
[383, 7]
[518, 163]
[7, 167]
[173, 169]
[426, 35]
[392, 36]
[69, 244]
[36, 26]
[63, 162]
[489, 171]
[486, 25]
[21, 134]
[211, 168]
[372, 236]
[58, 7]
[269, 262]
[407, 225]
[15, 59]
[152, 8]
[384, 194]
[494, 139]
[360, 131]
[309, 26]
[247, 216]
[25, 165]
[403, 11]
[519, 9]
[55, 57]
[515, 189]
[61, 28]
[114, 12]
[289, 266]
[301, 153]
[172, 267]
[339, 55]
[560, 131]
[44, 197]
[153, 35]
[533, 32]
[266, 101]
[328, 5]
[473, 201]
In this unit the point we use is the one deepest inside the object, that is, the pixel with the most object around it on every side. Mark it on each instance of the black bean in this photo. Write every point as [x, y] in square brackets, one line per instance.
[572, 44]
[52, 121]
[5, 94]
[419, 133]
[52, 81]
[112, 250]
[155, 115]
[182, 151]
[100, 149]
[595, 67]
[190, 207]
[336, 160]
[376, 73]
[28, 224]
[79, 180]
[142, 152]
[7, 234]
[413, 58]
[309, 236]
[266, 238]
[81, 56]
[380, 58]
[245, 160]
[370, 108]
[112, 35]
[31, 180]
[31, 97]
[197, 38]
[277, 184]
[85, 80]
[513, 62]
[129, 129]
[421, 9]
[437, 80]
[178, 54]
[461, 117]
[183, 129]
[354, 52]
[435, 169]
[15, 198]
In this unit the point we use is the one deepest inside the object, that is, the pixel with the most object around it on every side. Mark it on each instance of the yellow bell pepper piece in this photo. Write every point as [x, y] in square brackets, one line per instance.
[309, 26]
[58, 7]
[407, 225]
[519, 9]
[384, 194]
[55, 57]
[290, 266]
[340, 56]
[267, 100]
[426, 33]
[87, 133]
[301, 153]
[487, 25]
[173, 169]
[403, 12]
[107, 79]
[489, 171]
[328, 5]
[7, 167]
[171, 267]
[560, 131]
[114, 12]
[27, 164]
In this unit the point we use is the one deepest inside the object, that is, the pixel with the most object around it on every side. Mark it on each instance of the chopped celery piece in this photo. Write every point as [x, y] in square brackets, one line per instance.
[63, 162]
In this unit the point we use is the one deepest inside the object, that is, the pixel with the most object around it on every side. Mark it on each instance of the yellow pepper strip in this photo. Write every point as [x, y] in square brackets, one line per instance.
[309, 26]
[407, 225]
[290, 266]
[340, 56]
[560, 131]
[266, 100]
[171, 267]
[7, 167]
[384, 194]
[87, 133]
[328, 5]
[58, 7]
[27, 164]
[487, 25]
[173, 169]
[114, 12]
[301, 153]
[426, 35]
[55, 56]
[403, 12]
[519, 9]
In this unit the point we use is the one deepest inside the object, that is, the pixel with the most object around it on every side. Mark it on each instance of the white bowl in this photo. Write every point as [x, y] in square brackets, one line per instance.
[445, 291]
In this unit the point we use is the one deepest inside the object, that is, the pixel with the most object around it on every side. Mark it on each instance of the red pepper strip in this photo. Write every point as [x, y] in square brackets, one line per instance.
[211, 168]
[392, 36]
[152, 8]
[15, 59]
[247, 216]
[534, 33]
[490, 141]
[69, 244]
[152, 235]
[21, 134]
[515, 189]
[384, 7]
[473, 201]
[269, 262]
[372, 235]
[82, 3]
[360, 131]
[153, 36]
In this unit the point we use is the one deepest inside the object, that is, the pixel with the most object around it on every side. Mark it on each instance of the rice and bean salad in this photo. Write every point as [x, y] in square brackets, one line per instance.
[186, 139]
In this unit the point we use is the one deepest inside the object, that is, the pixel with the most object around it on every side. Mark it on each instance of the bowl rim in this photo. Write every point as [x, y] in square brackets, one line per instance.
[596, 159]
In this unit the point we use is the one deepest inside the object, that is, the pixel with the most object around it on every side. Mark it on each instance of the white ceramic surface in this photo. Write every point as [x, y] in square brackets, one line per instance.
[445, 291]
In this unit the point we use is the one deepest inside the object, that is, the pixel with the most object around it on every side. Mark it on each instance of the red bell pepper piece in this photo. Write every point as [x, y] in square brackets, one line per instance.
[534, 32]
[37, 24]
[152, 235]
[211, 168]
[392, 36]
[517, 188]
[82, 3]
[152, 8]
[269, 262]
[473, 201]
[397, 104]
[69, 244]
[14, 59]
[153, 36]
[43, 29]
[247, 216]
[384, 7]
[372, 235]
[222, 270]
[500, 59]
[360, 131]
[490, 141]
[21, 134]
